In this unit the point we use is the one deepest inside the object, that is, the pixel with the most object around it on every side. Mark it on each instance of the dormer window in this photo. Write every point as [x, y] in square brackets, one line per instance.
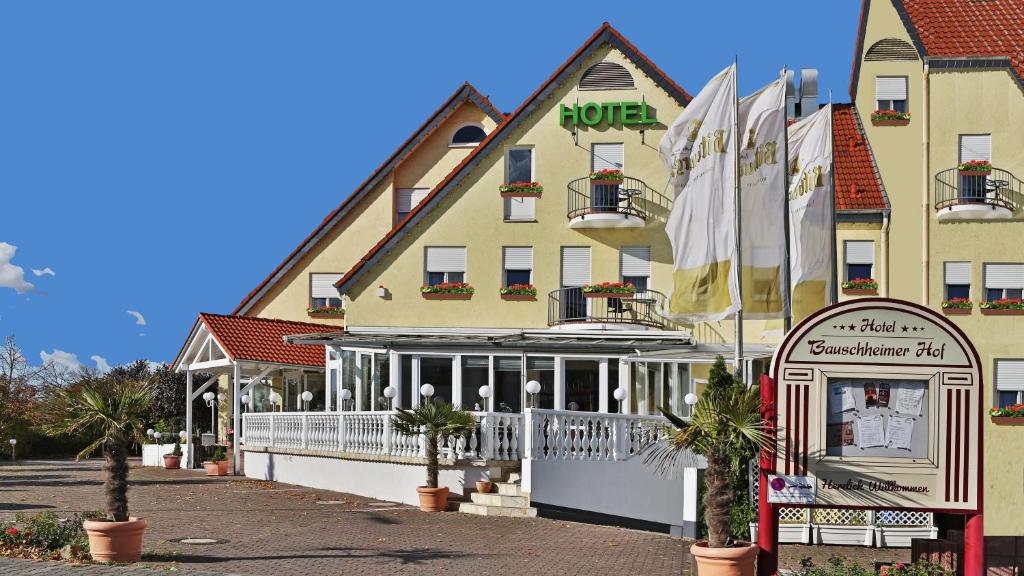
[468, 136]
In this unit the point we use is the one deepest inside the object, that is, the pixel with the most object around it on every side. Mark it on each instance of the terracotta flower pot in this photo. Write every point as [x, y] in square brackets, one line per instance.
[115, 541]
[483, 486]
[433, 499]
[1008, 420]
[624, 295]
[520, 194]
[735, 561]
[975, 172]
[224, 466]
[172, 462]
[214, 469]
[519, 297]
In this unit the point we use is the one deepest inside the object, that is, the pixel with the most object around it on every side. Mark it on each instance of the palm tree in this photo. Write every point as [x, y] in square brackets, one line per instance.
[435, 420]
[728, 430]
[112, 411]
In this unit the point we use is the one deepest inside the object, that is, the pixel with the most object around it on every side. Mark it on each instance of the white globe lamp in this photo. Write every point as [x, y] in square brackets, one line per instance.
[306, 396]
[690, 399]
[427, 390]
[619, 394]
[532, 388]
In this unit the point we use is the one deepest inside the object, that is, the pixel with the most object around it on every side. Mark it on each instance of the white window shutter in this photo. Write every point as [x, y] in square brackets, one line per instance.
[1004, 275]
[607, 157]
[323, 285]
[958, 272]
[975, 147]
[1009, 374]
[891, 88]
[860, 252]
[518, 258]
[519, 208]
[635, 261]
[446, 259]
[409, 198]
[575, 265]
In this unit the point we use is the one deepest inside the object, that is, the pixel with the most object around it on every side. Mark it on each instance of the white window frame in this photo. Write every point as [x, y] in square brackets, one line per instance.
[847, 262]
[427, 271]
[313, 297]
[945, 277]
[452, 144]
[533, 177]
[505, 268]
[906, 94]
[593, 155]
[399, 215]
[985, 279]
[995, 378]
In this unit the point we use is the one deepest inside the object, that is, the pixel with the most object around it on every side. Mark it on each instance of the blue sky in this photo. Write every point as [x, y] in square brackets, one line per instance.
[163, 157]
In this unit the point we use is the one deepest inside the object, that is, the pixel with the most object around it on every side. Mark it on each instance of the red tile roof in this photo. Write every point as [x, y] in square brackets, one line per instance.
[606, 33]
[970, 28]
[857, 183]
[262, 339]
[466, 91]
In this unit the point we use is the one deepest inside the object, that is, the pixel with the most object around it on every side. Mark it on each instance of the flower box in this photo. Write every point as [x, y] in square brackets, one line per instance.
[325, 312]
[325, 315]
[861, 291]
[957, 311]
[975, 168]
[890, 121]
[900, 536]
[843, 535]
[609, 290]
[788, 533]
[606, 182]
[975, 172]
[1002, 311]
[520, 194]
[624, 295]
[607, 177]
[1008, 420]
[447, 295]
[521, 190]
[519, 297]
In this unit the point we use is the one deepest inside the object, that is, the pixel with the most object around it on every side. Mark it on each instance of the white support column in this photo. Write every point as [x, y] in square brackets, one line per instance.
[414, 394]
[490, 384]
[624, 368]
[328, 365]
[357, 396]
[602, 386]
[456, 398]
[395, 377]
[236, 402]
[559, 383]
[188, 419]
[526, 451]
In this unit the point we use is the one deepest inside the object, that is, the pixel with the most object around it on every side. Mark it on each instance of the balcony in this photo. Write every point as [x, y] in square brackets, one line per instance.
[610, 204]
[570, 308]
[960, 196]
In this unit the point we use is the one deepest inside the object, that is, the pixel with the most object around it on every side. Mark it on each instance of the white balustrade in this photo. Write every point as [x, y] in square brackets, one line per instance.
[590, 436]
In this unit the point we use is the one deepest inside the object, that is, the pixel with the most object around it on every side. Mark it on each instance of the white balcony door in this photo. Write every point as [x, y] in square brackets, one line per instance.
[575, 273]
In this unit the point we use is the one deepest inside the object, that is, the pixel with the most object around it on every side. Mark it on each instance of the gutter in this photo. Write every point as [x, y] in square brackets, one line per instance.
[926, 206]
[885, 254]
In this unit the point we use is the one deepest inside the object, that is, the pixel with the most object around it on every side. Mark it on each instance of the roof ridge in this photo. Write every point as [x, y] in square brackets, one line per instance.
[262, 319]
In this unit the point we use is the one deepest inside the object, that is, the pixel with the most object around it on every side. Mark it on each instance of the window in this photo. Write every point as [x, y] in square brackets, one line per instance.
[445, 264]
[1009, 382]
[635, 266]
[469, 135]
[407, 199]
[958, 280]
[606, 76]
[891, 93]
[603, 197]
[322, 291]
[860, 259]
[575, 273]
[519, 168]
[518, 265]
[974, 147]
[1004, 281]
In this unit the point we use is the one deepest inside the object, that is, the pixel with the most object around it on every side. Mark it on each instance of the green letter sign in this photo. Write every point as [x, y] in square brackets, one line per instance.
[610, 113]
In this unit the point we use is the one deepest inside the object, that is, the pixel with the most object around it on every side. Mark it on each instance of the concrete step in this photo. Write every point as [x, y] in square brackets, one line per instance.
[505, 511]
[509, 489]
[514, 477]
[500, 500]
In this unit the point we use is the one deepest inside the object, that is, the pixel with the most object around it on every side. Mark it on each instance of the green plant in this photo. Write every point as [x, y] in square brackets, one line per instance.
[837, 566]
[112, 412]
[177, 448]
[918, 568]
[889, 115]
[1013, 410]
[521, 188]
[1002, 304]
[519, 289]
[336, 310]
[447, 288]
[610, 288]
[218, 455]
[975, 166]
[44, 532]
[728, 431]
[861, 283]
[957, 303]
[436, 421]
[607, 174]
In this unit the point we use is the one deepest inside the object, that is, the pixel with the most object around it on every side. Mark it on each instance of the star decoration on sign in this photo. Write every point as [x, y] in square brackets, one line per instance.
[852, 327]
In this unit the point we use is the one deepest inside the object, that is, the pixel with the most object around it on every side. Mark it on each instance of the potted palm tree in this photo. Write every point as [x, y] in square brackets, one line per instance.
[435, 421]
[113, 412]
[727, 430]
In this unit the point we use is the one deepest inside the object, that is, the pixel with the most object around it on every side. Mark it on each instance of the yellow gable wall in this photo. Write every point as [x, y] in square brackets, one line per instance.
[369, 220]
[897, 152]
[471, 215]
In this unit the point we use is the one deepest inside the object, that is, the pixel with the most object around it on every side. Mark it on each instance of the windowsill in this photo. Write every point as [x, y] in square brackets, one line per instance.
[473, 145]
[507, 221]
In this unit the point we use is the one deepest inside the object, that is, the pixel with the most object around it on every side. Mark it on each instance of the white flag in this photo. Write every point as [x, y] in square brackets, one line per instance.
[762, 131]
[699, 151]
[810, 211]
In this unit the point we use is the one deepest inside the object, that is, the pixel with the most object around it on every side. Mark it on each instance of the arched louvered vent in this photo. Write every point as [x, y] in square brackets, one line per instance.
[890, 49]
[606, 76]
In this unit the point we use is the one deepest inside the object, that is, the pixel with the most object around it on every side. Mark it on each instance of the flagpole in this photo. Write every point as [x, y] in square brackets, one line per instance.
[738, 260]
[834, 288]
[787, 294]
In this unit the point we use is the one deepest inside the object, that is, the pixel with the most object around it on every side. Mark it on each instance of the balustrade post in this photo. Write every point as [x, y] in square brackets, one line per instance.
[421, 441]
[387, 434]
[273, 439]
[527, 449]
[341, 432]
[620, 448]
[305, 431]
[486, 443]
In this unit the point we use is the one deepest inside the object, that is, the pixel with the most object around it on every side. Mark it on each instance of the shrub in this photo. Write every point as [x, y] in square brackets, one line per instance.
[43, 534]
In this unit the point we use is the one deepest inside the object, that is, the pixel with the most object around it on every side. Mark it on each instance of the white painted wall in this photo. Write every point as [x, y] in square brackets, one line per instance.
[626, 488]
[382, 480]
[153, 454]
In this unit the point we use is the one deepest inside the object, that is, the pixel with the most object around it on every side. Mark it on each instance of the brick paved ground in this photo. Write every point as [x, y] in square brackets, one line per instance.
[278, 530]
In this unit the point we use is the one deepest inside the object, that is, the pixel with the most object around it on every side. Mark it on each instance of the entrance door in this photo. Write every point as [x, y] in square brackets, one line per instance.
[575, 273]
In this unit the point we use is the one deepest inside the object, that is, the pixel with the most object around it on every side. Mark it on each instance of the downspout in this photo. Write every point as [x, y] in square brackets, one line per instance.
[925, 203]
[885, 254]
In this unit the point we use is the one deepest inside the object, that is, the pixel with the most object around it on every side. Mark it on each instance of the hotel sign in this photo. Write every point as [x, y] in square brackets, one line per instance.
[608, 113]
[878, 404]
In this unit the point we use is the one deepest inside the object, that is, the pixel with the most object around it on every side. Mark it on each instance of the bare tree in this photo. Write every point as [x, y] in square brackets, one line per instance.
[17, 393]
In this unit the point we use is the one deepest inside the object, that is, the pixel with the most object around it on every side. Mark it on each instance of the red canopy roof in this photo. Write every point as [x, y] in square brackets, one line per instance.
[262, 339]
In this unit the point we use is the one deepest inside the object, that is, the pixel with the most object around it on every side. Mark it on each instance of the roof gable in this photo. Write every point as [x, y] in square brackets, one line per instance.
[465, 93]
[258, 339]
[604, 35]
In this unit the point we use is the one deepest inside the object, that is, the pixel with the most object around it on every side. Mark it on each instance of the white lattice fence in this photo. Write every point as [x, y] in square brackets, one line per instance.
[903, 518]
[840, 517]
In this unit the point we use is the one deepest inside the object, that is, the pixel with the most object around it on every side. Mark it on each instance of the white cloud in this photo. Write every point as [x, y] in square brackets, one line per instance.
[44, 272]
[101, 363]
[139, 318]
[60, 358]
[154, 365]
[12, 276]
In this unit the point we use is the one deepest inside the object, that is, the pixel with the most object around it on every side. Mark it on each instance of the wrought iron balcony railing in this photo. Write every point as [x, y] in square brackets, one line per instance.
[997, 190]
[631, 198]
[572, 306]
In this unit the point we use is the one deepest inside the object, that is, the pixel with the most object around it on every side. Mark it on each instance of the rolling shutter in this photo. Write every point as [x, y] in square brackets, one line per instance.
[409, 198]
[958, 272]
[508, 363]
[635, 261]
[975, 147]
[575, 265]
[518, 258]
[519, 208]
[860, 252]
[1009, 374]
[607, 157]
[1004, 275]
[446, 259]
[323, 285]
[891, 88]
